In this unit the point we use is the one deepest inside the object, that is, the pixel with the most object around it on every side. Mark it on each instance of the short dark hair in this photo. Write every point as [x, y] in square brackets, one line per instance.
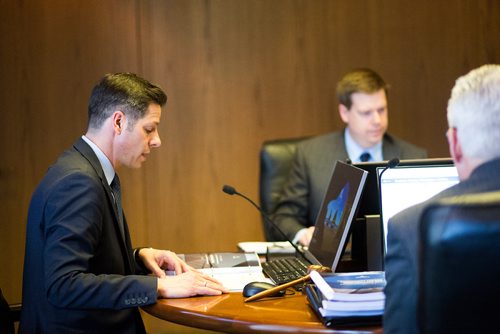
[125, 91]
[362, 80]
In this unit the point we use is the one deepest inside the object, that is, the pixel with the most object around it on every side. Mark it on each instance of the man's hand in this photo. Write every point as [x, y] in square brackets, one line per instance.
[160, 260]
[305, 239]
[189, 284]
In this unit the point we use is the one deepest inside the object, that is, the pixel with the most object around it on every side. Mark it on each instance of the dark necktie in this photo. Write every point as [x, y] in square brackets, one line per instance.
[365, 157]
[115, 186]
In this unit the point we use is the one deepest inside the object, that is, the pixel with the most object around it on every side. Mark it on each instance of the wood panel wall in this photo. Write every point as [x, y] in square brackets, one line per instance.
[236, 73]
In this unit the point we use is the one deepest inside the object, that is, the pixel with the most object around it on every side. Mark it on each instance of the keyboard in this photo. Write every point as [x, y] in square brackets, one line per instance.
[286, 269]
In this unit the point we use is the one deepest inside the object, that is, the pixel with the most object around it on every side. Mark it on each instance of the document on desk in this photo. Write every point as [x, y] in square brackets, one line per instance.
[233, 270]
[263, 247]
[235, 282]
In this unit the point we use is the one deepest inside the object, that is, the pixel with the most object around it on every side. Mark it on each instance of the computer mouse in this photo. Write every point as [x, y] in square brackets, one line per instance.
[253, 288]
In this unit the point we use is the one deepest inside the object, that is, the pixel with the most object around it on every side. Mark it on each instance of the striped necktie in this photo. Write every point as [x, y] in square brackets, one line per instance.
[115, 186]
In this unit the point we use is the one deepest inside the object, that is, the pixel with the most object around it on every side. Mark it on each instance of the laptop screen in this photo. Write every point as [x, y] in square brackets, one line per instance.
[336, 214]
[402, 187]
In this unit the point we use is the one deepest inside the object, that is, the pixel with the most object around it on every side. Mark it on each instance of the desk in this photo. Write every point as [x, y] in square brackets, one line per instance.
[228, 313]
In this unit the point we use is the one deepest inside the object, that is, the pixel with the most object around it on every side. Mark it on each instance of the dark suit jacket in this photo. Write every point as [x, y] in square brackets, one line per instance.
[401, 262]
[310, 175]
[79, 272]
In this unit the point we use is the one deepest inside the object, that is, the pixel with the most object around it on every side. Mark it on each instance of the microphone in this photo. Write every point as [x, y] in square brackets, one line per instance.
[232, 191]
[391, 164]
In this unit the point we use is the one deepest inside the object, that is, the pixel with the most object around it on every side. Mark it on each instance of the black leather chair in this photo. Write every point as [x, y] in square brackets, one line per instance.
[9, 315]
[276, 158]
[459, 273]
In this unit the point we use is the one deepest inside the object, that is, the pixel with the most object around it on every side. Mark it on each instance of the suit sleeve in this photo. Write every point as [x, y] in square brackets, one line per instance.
[74, 216]
[291, 213]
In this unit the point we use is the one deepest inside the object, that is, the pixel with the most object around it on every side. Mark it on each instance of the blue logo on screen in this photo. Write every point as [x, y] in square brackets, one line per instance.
[336, 207]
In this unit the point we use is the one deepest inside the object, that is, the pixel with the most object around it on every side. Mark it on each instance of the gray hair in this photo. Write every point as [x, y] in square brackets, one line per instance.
[474, 110]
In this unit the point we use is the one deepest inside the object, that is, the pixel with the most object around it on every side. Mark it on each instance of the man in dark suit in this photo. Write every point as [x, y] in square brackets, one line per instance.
[81, 274]
[473, 137]
[362, 96]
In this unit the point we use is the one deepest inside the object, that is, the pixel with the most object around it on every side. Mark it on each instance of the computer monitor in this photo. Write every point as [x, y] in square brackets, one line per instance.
[405, 186]
[367, 243]
[370, 202]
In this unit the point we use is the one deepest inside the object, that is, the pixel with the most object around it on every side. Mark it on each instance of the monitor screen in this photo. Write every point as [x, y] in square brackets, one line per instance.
[370, 203]
[402, 187]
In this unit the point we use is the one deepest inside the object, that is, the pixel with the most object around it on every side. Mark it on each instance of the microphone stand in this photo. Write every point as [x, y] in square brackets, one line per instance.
[394, 162]
[232, 191]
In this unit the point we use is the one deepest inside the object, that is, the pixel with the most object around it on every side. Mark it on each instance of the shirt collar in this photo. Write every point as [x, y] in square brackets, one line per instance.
[106, 165]
[354, 150]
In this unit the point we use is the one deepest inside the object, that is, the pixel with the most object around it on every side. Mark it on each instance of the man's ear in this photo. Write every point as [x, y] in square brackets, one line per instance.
[344, 113]
[454, 145]
[118, 121]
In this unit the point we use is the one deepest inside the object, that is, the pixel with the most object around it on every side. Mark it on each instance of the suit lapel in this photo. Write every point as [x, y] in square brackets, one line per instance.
[341, 150]
[389, 149]
[125, 244]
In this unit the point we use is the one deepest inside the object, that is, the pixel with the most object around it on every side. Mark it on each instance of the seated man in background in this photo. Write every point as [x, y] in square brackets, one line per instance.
[81, 274]
[473, 137]
[362, 96]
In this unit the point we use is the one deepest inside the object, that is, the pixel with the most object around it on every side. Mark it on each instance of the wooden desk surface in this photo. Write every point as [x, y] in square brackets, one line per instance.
[228, 313]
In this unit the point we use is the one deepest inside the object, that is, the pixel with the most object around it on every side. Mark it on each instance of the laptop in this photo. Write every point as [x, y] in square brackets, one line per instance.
[332, 225]
[405, 186]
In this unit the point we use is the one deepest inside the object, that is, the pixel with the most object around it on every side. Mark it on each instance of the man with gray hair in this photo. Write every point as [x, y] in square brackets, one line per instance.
[473, 136]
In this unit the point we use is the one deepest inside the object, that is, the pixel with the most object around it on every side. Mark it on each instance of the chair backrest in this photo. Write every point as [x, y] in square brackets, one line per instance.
[459, 269]
[276, 158]
[9, 314]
